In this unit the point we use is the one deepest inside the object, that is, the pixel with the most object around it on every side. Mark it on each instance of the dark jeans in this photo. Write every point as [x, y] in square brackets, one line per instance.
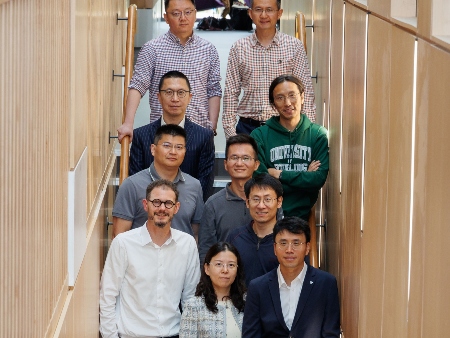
[245, 128]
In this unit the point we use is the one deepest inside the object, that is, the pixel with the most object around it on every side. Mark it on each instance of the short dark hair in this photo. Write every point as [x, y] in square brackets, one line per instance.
[173, 74]
[242, 139]
[165, 184]
[281, 79]
[263, 181]
[205, 287]
[169, 129]
[278, 4]
[294, 225]
[166, 3]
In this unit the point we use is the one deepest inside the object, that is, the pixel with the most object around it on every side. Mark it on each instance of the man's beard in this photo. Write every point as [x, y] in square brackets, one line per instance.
[161, 224]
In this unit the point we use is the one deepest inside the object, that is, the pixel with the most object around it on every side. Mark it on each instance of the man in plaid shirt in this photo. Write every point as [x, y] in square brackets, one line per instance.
[254, 62]
[179, 49]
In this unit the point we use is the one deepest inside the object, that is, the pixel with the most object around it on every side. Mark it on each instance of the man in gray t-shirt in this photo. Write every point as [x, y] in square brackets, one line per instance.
[168, 151]
[226, 209]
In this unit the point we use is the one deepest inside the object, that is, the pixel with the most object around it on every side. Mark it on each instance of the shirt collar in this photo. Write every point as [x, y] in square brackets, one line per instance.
[147, 239]
[300, 277]
[254, 40]
[155, 176]
[230, 195]
[176, 39]
[181, 124]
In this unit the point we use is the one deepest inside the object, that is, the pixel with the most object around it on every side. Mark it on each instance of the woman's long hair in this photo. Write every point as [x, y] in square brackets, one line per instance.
[206, 289]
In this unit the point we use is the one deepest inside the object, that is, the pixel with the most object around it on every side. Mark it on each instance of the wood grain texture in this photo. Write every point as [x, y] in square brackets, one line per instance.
[352, 165]
[334, 215]
[56, 97]
[34, 83]
[376, 173]
[431, 211]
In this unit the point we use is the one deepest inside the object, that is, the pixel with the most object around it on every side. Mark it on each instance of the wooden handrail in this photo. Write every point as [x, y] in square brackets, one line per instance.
[313, 253]
[129, 60]
[300, 29]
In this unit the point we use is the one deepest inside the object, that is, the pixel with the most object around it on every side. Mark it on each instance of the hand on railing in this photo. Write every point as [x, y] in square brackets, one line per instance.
[125, 130]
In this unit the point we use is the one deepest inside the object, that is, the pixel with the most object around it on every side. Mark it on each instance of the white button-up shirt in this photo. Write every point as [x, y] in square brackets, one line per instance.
[142, 284]
[289, 295]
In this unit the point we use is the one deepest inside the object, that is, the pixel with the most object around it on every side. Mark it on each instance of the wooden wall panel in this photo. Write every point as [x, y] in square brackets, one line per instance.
[432, 185]
[97, 97]
[334, 216]
[287, 24]
[424, 17]
[352, 162]
[376, 174]
[321, 55]
[381, 7]
[52, 103]
[398, 192]
[34, 82]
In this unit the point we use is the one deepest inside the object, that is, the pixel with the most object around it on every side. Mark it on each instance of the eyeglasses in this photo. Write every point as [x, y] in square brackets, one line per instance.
[281, 98]
[157, 203]
[295, 245]
[235, 158]
[266, 200]
[220, 265]
[181, 93]
[268, 11]
[169, 146]
[187, 13]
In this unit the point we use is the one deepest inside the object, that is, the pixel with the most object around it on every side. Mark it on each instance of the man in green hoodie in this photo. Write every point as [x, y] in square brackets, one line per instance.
[292, 148]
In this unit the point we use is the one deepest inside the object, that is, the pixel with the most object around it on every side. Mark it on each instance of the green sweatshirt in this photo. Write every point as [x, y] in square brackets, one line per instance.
[292, 152]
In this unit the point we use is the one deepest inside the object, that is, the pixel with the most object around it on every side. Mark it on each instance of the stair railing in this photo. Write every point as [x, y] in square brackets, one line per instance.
[129, 60]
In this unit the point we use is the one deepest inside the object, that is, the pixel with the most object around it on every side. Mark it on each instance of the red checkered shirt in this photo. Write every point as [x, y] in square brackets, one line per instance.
[197, 59]
[252, 68]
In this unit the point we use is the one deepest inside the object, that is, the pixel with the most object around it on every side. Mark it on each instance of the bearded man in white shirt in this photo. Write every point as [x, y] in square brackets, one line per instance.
[148, 272]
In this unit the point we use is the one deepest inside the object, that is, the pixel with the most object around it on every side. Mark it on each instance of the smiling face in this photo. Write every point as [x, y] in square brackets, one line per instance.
[264, 212]
[181, 26]
[288, 102]
[161, 216]
[241, 169]
[166, 154]
[222, 277]
[291, 257]
[263, 20]
[174, 106]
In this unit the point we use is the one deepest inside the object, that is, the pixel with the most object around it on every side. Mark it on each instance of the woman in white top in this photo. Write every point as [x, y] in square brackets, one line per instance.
[218, 306]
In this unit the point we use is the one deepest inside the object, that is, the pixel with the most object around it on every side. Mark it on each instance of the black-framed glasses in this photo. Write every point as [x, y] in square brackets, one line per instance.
[181, 93]
[295, 245]
[187, 13]
[266, 200]
[235, 158]
[157, 203]
[291, 96]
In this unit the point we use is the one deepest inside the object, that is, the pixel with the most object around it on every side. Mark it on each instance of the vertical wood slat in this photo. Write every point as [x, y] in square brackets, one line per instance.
[352, 163]
[376, 223]
[431, 211]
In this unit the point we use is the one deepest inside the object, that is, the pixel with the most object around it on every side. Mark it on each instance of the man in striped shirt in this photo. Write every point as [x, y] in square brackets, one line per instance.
[253, 63]
[179, 49]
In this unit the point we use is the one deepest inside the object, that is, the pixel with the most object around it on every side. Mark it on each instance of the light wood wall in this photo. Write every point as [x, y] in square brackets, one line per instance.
[387, 211]
[56, 98]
